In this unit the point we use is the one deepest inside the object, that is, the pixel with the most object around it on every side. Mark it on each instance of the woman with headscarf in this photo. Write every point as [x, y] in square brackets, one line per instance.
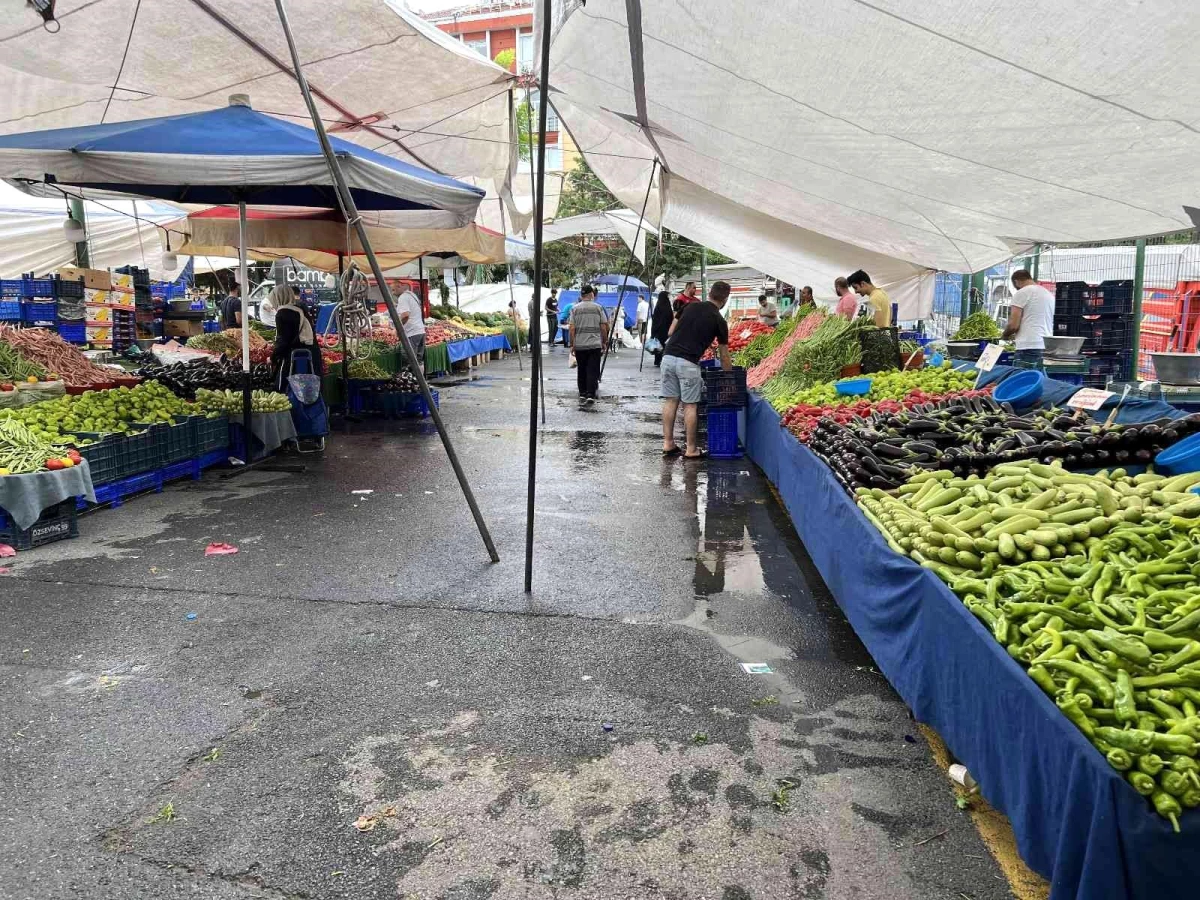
[660, 324]
[293, 332]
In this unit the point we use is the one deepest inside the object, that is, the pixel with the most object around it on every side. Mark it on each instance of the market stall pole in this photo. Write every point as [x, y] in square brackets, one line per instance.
[351, 209]
[535, 331]
[244, 281]
[629, 271]
[536, 346]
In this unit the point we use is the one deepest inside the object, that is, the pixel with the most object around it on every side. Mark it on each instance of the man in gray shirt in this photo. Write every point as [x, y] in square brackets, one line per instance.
[589, 333]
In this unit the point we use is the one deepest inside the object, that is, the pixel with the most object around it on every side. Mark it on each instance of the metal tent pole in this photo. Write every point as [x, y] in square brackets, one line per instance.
[352, 211]
[628, 270]
[538, 213]
[512, 300]
[247, 379]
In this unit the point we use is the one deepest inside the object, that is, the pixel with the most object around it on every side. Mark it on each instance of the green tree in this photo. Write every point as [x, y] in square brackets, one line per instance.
[506, 59]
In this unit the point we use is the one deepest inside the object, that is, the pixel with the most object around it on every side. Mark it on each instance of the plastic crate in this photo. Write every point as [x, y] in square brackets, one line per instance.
[1103, 368]
[723, 442]
[185, 468]
[10, 310]
[175, 441]
[58, 523]
[1110, 298]
[214, 457]
[68, 289]
[723, 388]
[103, 457]
[73, 333]
[1067, 377]
[211, 434]
[1105, 333]
[12, 287]
[39, 313]
[1072, 290]
[115, 493]
[37, 287]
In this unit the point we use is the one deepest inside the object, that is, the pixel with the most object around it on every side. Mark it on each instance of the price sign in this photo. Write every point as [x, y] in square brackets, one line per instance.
[745, 333]
[1089, 398]
[989, 357]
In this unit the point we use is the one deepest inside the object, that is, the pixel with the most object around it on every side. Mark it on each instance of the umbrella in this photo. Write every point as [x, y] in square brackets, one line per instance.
[232, 155]
[629, 281]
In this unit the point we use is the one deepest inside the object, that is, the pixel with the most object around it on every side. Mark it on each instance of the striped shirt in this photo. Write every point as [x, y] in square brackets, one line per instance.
[586, 318]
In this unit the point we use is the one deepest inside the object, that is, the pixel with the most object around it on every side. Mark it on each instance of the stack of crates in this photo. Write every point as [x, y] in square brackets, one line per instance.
[726, 399]
[10, 299]
[71, 309]
[123, 328]
[1103, 315]
[39, 308]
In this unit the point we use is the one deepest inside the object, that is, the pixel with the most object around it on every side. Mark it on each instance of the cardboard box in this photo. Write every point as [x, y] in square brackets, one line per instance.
[97, 279]
[98, 333]
[182, 328]
[94, 297]
[99, 314]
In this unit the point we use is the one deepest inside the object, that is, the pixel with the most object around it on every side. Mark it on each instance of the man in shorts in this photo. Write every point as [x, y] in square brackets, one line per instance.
[692, 333]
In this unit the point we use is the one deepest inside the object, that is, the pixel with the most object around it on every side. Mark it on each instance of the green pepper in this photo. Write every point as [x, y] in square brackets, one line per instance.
[1084, 643]
[1188, 767]
[1160, 640]
[1104, 585]
[1043, 680]
[1167, 807]
[1190, 653]
[1085, 701]
[1148, 722]
[1054, 648]
[1119, 759]
[1123, 701]
[1166, 710]
[1142, 783]
[1150, 763]
[1182, 744]
[1123, 645]
[1078, 717]
[1188, 623]
[1087, 674]
[1190, 798]
[1134, 739]
[1021, 610]
[1174, 783]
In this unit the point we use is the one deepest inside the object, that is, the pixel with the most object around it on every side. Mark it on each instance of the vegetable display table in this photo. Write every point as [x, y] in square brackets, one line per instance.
[460, 350]
[1075, 818]
[437, 359]
[24, 497]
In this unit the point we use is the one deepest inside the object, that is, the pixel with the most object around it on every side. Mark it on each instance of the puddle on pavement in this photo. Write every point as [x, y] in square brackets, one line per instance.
[748, 554]
[587, 450]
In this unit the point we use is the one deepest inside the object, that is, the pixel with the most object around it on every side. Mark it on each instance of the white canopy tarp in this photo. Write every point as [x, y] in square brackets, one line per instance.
[32, 237]
[621, 222]
[941, 133]
[381, 76]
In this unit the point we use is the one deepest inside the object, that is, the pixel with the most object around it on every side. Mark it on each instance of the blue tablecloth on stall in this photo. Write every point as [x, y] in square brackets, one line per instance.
[1135, 409]
[460, 350]
[25, 497]
[1076, 820]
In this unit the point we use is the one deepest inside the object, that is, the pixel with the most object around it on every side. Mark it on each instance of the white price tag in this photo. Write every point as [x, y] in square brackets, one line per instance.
[989, 357]
[745, 333]
[1089, 398]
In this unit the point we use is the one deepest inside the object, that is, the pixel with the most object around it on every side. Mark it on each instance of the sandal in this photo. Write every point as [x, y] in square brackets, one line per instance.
[700, 454]
[673, 452]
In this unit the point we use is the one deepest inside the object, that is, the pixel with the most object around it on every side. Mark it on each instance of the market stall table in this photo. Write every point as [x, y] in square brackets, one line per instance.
[1075, 818]
[437, 359]
[272, 430]
[460, 350]
[25, 497]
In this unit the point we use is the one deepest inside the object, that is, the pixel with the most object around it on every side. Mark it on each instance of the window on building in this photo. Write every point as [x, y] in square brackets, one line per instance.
[525, 53]
[551, 116]
[480, 46]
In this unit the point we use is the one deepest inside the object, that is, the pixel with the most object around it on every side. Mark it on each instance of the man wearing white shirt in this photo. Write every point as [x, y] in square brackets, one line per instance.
[1030, 320]
[409, 307]
[643, 317]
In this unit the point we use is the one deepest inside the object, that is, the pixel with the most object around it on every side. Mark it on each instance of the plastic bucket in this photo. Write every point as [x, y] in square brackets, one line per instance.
[1180, 458]
[1023, 389]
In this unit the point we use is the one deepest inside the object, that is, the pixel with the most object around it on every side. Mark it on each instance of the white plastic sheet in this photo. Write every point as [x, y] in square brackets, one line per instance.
[949, 135]
[621, 222]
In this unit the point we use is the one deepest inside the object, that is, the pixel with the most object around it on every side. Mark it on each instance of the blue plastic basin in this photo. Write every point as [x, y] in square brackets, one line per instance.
[1180, 458]
[853, 386]
[1021, 390]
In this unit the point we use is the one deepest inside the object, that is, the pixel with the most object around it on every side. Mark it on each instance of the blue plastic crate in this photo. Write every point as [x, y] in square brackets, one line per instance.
[11, 287]
[72, 333]
[38, 313]
[237, 444]
[10, 310]
[117, 492]
[723, 442]
[37, 287]
[187, 468]
[57, 523]
[723, 388]
[213, 458]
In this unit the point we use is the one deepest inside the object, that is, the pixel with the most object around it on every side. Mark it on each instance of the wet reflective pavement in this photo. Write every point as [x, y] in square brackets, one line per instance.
[394, 717]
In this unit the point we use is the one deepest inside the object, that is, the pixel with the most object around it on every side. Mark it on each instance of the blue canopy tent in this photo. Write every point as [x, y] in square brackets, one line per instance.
[630, 283]
[233, 155]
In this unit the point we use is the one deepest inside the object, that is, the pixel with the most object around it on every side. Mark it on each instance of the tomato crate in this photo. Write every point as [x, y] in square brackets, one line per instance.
[723, 388]
[58, 523]
[211, 434]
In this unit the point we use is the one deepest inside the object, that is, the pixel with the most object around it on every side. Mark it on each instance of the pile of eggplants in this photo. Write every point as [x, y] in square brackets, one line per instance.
[971, 435]
[210, 373]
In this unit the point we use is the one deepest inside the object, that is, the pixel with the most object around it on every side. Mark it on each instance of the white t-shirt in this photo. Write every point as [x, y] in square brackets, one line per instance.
[643, 310]
[1037, 317]
[408, 303]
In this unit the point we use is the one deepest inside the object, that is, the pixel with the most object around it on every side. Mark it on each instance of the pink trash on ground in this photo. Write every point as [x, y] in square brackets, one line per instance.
[220, 549]
[7, 552]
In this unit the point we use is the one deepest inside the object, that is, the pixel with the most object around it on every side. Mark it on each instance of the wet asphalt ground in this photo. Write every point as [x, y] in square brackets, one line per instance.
[362, 706]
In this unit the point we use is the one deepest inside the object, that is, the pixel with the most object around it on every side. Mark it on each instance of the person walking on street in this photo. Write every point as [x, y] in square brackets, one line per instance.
[552, 318]
[682, 382]
[660, 324]
[881, 303]
[409, 307]
[1030, 320]
[589, 333]
[847, 305]
[643, 317]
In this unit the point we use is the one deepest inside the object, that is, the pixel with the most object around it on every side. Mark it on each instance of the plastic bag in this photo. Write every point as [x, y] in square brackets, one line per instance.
[305, 388]
[653, 345]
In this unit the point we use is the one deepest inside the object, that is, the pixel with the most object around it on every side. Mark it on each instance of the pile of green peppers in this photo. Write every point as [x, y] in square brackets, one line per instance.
[1111, 633]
